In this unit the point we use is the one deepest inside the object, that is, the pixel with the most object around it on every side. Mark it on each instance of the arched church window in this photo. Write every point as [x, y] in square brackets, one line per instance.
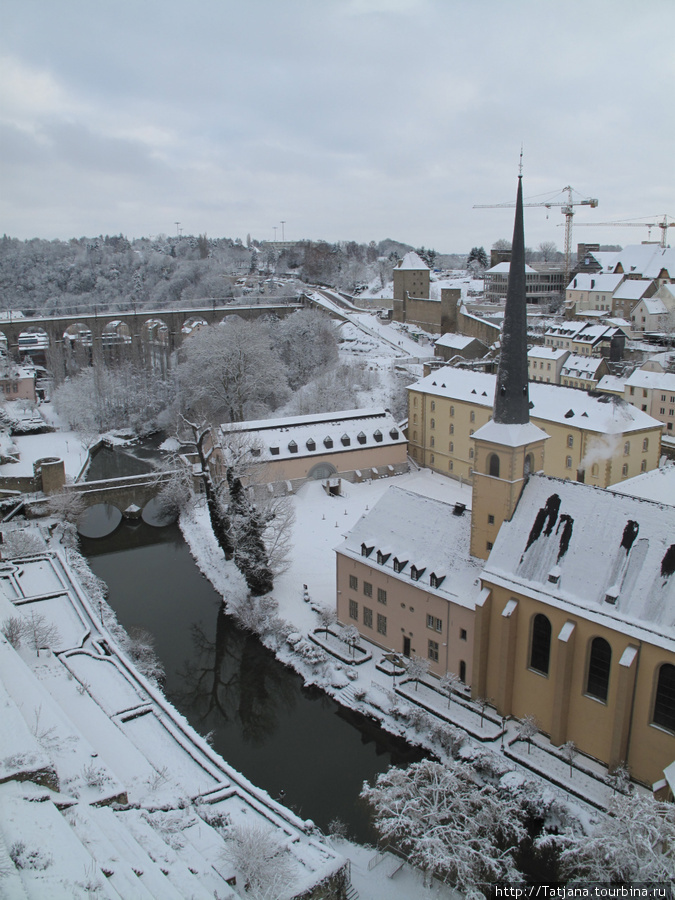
[493, 465]
[540, 644]
[599, 661]
[664, 701]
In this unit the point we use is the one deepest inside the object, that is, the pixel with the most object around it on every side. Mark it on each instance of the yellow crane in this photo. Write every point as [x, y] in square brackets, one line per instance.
[664, 225]
[567, 208]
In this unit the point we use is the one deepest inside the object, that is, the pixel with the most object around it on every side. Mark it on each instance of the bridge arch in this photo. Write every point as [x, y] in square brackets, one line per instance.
[34, 342]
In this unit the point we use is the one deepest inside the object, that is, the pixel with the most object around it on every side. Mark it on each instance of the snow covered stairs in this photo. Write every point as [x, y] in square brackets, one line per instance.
[348, 694]
[351, 893]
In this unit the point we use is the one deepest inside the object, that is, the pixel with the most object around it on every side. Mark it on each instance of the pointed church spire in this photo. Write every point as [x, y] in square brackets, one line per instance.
[512, 400]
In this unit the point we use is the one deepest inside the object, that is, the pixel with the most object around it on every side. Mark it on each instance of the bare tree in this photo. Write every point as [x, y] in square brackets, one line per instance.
[14, 629]
[569, 751]
[40, 632]
[548, 250]
[449, 683]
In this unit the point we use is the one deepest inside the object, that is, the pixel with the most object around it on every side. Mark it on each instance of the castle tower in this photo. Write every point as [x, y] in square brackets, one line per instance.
[509, 446]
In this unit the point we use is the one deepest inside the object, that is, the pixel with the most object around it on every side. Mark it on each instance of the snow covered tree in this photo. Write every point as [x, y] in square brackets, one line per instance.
[527, 728]
[247, 536]
[327, 617]
[634, 843]
[262, 859]
[350, 635]
[448, 823]
[417, 667]
[67, 505]
[479, 256]
[230, 372]
[307, 344]
[502, 244]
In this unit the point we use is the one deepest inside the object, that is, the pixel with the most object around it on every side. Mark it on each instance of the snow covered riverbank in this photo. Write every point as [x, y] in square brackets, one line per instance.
[422, 716]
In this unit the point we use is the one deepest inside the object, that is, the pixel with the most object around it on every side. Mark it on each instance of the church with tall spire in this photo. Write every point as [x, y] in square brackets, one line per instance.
[509, 447]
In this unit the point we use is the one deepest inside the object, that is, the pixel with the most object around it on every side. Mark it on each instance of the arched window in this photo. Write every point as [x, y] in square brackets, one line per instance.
[493, 465]
[599, 661]
[540, 646]
[664, 701]
[433, 423]
[528, 466]
[594, 469]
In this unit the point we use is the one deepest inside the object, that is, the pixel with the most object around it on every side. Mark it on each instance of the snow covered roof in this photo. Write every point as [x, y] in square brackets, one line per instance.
[658, 485]
[516, 435]
[318, 434]
[581, 366]
[654, 306]
[647, 260]
[614, 555]
[587, 281]
[423, 532]
[632, 289]
[412, 261]
[568, 329]
[550, 353]
[549, 402]
[504, 268]
[455, 341]
[612, 384]
[656, 380]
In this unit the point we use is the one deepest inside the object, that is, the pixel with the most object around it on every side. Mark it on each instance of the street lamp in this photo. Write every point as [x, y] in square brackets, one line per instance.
[283, 222]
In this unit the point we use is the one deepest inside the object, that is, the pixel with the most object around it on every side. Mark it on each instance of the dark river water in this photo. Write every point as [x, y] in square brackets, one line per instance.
[295, 742]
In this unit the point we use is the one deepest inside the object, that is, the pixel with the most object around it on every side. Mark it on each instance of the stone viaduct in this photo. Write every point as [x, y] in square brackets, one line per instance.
[162, 330]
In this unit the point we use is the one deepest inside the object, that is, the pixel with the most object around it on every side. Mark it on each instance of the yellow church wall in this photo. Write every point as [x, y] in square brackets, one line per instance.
[592, 724]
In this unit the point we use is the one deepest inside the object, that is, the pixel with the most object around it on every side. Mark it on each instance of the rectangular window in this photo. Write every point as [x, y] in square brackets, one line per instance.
[381, 596]
[488, 545]
[434, 623]
[367, 617]
[353, 609]
[367, 589]
[432, 651]
[381, 624]
[491, 519]
[624, 470]
[462, 634]
[353, 583]
[452, 429]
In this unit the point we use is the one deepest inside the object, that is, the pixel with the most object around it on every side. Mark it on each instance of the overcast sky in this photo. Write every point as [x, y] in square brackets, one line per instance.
[347, 119]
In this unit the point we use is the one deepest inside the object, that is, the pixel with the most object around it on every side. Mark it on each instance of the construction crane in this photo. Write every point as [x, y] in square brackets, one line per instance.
[664, 225]
[567, 209]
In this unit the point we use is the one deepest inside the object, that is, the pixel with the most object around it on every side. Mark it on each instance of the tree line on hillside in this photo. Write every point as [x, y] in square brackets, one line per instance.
[111, 272]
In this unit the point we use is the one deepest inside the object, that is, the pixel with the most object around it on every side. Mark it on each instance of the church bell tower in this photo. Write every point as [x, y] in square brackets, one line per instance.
[509, 446]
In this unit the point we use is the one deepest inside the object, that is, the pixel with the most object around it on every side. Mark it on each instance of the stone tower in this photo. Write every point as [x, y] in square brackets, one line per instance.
[509, 446]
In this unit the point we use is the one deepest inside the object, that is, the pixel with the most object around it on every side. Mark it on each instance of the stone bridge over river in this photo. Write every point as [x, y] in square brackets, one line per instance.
[145, 334]
[130, 490]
